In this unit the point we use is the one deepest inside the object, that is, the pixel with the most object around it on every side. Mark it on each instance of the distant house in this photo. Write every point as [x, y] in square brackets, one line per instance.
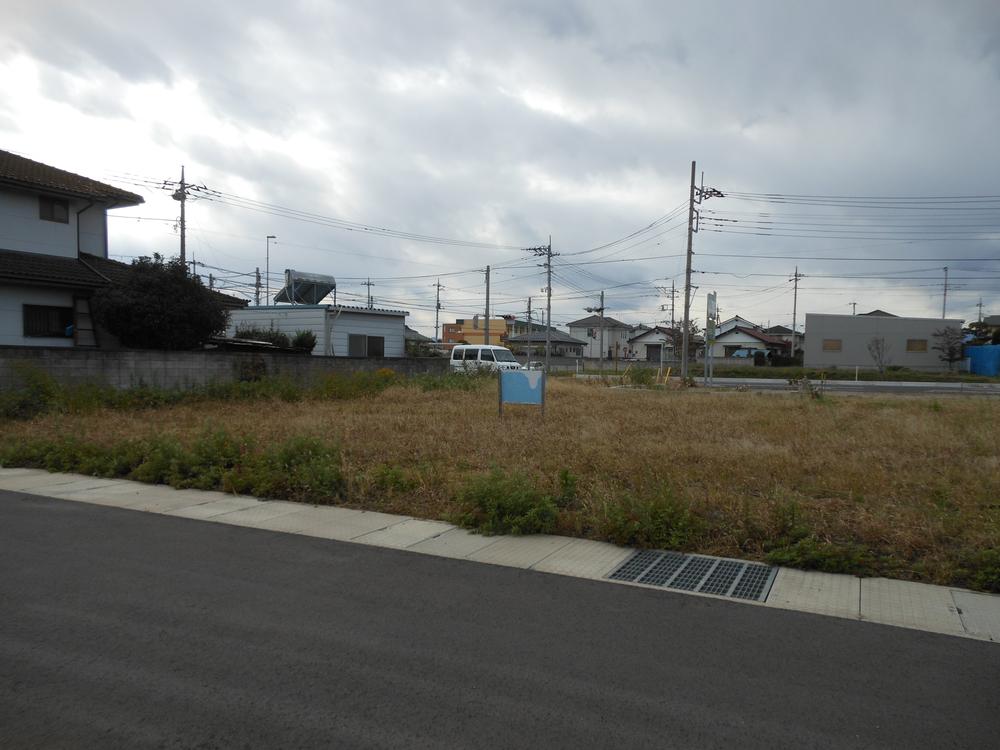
[654, 344]
[845, 340]
[992, 323]
[743, 341]
[616, 336]
[340, 330]
[532, 344]
[473, 331]
[736, 322]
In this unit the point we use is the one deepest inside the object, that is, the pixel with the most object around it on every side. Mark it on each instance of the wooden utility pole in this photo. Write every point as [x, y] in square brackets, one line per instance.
[548, 303]
[531, 329]
[256, 288]
[486, 330]
[437, 309]
[685, 334]
[181, 195]
[944, 304]
[368, 283]
[795, 304]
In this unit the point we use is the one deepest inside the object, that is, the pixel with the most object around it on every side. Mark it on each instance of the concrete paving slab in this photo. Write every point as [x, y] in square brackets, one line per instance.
[520, 551]
[980, 613]
[24, 482]
[821, 593]
[457, 543]
[331, 522]
[405, 534]
[19, 471]
[584, 558]
[167, 499]
[910, 605]
[208, 510]
[258, 516]
[69, 490]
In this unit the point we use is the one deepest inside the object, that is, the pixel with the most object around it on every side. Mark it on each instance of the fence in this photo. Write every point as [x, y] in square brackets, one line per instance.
[167, 369]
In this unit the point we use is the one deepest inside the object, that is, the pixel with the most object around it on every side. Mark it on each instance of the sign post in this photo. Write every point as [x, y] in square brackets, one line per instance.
[521, 387]
[712, 313]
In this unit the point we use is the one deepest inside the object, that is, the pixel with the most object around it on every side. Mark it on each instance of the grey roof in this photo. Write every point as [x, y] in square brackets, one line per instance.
[86, 272]
[411, 335]
[992, 320]
[21, 172]
[594, 321]
[881, 314]
[538, 337]
[778, 331]
[657, 329]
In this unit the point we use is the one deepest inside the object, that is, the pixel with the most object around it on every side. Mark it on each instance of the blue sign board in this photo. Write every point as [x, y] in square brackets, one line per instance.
[522, 387]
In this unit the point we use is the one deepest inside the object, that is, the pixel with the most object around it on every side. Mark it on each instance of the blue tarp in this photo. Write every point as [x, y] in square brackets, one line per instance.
[984, 360]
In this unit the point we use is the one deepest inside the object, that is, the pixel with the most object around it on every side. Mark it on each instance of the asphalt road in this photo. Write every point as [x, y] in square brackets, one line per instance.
[126, 629]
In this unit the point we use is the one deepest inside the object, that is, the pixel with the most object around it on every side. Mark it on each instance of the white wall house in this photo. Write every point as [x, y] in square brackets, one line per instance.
[53, 230]
[653, 343]
[739, 340]
[616, 336]
[340, 330]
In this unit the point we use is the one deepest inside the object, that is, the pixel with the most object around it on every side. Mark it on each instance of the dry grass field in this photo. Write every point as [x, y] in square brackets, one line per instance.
[895, 485]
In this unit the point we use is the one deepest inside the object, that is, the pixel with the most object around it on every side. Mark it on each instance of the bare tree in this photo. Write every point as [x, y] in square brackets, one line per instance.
[879, 351]
[950, 342]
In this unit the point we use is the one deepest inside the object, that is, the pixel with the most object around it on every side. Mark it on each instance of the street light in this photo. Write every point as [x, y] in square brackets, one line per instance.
[267, 268]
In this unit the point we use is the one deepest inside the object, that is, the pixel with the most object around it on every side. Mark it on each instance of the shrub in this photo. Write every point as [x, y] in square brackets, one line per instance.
[270, 335]
[811, 553]
[980, 570]
[660, 521]
[641, 375]
[157, 305]
[501, 503]
[305, 340]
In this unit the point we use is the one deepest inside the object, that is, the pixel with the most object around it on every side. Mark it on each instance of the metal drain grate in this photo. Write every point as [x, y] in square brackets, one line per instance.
[636, 565]
[755, 583]
[664, 569]
[706, 575]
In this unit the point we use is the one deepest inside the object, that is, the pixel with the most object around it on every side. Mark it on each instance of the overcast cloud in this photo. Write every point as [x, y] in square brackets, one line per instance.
[507, 122]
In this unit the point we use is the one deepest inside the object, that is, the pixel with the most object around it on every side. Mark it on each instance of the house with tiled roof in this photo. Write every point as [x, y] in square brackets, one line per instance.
[595, 329]
[54, 253]
[744, 341]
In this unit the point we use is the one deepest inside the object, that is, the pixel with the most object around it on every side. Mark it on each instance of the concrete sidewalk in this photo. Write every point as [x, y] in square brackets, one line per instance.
[938, 609]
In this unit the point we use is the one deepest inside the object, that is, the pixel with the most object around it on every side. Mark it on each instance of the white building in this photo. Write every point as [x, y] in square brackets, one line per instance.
[54, 235]
[653, 344]
[740, 341]
[615, 335]
[340, 330]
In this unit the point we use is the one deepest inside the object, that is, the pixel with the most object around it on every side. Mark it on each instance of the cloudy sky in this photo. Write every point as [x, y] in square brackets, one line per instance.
[471, 129]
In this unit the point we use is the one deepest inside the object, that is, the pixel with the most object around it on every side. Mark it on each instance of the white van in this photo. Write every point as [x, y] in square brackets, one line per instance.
[470, 357]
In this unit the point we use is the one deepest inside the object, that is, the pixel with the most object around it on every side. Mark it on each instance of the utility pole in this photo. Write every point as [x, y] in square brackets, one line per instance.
[531, 329]
[600, 312]
[486, 329]
[944, 304]
[256, 289]
[685, 334]
[854, 308]
[267, 267]
[795, 304]
[980, 306]
[369, 284]
[181, 195]
[437, 309]
[545, 251]
[697, 195]
[548, 302]
[211, 281]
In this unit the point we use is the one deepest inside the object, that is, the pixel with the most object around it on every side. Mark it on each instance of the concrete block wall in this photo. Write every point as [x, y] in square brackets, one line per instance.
[164, 369]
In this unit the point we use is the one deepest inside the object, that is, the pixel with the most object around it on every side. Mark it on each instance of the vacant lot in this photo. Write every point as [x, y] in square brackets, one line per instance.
[901, 486]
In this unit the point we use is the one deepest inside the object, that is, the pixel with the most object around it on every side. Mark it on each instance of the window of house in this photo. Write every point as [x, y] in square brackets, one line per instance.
[916, 345]
[53, 209]
[832, 345]
[48, 322]
[360, 345]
